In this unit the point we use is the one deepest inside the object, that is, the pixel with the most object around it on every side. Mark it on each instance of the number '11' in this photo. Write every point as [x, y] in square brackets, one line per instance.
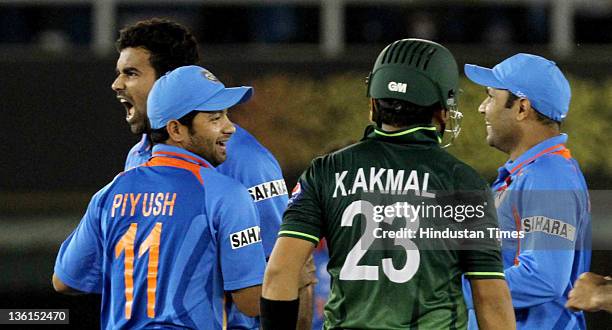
[151, 243]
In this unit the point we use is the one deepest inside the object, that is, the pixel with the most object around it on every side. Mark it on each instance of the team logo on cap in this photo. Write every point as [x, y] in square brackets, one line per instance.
[520, 94]
[209, 75]
[397, 87]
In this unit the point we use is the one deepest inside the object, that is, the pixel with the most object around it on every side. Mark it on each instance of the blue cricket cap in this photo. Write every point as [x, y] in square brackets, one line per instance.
[529, 76]
[190, 88]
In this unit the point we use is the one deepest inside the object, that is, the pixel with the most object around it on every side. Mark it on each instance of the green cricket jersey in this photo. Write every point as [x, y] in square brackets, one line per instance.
[403, 220]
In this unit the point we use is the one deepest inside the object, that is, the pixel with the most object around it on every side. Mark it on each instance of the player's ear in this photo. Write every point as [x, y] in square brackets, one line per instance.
[175, 131]
[441, 116]
[524, 109]
[372, 111]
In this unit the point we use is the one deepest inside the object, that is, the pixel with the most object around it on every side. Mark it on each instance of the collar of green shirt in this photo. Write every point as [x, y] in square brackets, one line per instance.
[418, 134]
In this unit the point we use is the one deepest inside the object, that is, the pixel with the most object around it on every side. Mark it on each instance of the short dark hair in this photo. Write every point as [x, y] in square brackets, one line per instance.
[171, 44]
[161, 135]
[511, 99]
[540, 117]
[545, 120]
[401, 113]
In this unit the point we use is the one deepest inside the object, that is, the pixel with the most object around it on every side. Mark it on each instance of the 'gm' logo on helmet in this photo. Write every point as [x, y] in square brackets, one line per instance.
[397, 87]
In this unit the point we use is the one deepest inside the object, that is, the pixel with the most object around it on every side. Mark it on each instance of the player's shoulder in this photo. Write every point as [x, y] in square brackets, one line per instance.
[101, 195]
[554, 164]
[247, 144]
[339, 155]
[135, 147]
[242, 135]
[551, 171]
[119, 178]
[214, 180]
[247, 153]
[222, 192]
[143, 144]
[138, 154]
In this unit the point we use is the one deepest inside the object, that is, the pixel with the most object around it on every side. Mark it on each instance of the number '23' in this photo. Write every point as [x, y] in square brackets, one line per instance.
[351, 270]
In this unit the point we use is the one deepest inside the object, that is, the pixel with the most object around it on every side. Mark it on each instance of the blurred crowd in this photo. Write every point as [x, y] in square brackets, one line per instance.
[60, 27]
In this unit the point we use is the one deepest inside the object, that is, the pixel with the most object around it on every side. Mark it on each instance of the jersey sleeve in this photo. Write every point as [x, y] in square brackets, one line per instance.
[549, 220]
[480, 257]
[79, 261]
[239, 238]
[303, 218]
[264, 180]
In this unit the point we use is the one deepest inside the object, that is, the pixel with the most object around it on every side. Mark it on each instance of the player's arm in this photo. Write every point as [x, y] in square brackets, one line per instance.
[241, 253]
[305, 313]
[299, 234]
[481, 259]
[543, 267]
[247, 300]
[492, 304]
[62, 288]
[281, 283]
[267, 173]
[79, 261]
[538, 277]
[591, 293]
[308, 279]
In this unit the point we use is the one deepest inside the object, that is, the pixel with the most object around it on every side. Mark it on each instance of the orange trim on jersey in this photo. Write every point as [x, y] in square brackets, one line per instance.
[173, 162]
[517, 222]
[176, 154]
[561, 146]
[565, 153]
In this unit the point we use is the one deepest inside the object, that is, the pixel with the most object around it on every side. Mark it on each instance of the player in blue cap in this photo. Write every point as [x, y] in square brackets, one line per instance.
[166, 242]
[147, 50]
[540, 191]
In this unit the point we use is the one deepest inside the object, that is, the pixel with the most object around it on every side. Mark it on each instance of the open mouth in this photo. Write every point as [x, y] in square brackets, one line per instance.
[129, 108]
[222, 144]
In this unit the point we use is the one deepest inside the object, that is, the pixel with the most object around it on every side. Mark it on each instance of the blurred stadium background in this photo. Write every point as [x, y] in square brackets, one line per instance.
[65, 135]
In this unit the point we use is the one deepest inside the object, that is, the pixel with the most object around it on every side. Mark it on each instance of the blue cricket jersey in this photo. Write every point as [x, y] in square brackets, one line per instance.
[255, 167]
[163, 243]
[543, 194]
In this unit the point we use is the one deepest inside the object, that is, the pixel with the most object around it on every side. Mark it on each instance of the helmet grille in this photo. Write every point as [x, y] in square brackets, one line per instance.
[413, 53]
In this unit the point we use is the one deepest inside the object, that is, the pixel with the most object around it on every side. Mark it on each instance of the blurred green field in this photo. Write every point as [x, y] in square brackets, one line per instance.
[298, 118]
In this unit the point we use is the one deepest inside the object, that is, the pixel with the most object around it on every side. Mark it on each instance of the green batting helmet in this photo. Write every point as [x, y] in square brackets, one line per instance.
[418, 71]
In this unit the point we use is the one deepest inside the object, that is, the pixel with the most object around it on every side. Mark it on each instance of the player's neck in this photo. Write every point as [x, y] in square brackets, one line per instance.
[391, 128]
[530, 138]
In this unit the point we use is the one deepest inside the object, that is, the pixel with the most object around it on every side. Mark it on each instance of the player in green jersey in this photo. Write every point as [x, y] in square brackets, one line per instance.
[403, 219]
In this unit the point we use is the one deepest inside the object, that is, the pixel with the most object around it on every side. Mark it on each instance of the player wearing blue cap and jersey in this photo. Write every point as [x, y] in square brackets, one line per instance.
[150, 48]
[166, 242]
[540, 191]
[147, 50]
